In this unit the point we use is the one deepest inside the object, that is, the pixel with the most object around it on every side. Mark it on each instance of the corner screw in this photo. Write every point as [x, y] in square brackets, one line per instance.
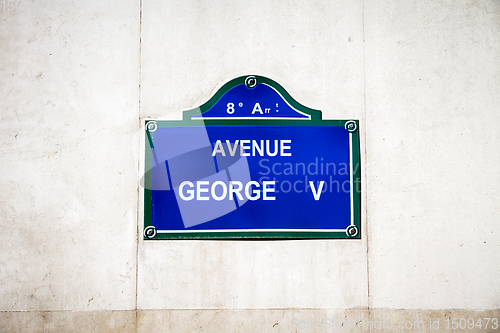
[351, 126]
[251, 82]
[351, 231]
[151, 126]
[150, 232]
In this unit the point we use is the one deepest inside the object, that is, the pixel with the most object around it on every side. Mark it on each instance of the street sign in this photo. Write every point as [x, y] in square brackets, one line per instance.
[252, 163]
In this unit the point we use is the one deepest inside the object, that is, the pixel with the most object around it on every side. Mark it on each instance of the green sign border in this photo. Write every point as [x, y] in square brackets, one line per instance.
[315, 120]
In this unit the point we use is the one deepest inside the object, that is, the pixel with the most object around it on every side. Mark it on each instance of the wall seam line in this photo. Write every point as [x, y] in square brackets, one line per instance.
[365, 173]
[138, 227]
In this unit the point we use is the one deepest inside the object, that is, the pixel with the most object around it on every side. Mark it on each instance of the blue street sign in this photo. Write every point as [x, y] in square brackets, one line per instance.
[252, 163]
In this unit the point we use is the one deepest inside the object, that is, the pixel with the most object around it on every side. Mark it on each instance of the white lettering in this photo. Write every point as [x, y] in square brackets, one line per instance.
[283, 147]
[243, 147]
[218, 149]
[235, 188]
[256, 148]
[232, 151]
[200, 190]
[316, 194]
[256, 192]
[275, 152]
[224, 190]
[190, 192]
[265, 190]
[237, 191]
[257, 108]
[260, 149]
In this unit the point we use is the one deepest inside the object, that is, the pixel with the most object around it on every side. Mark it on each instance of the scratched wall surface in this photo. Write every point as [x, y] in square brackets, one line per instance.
[69, 151]
[77, 79]
[277, 40]
[433, 153]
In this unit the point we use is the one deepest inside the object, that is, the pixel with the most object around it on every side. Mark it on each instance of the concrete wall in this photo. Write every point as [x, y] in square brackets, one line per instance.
[77, 79]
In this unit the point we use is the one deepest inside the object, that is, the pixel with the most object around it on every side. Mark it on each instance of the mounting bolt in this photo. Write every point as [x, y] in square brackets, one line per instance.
[351, 126]
[151, 126]
[351, 231]
[251, 82]
[150, 232]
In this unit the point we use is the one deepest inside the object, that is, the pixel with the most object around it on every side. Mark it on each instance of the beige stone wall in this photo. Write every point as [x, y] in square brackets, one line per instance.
[256, 320]
[77, 79]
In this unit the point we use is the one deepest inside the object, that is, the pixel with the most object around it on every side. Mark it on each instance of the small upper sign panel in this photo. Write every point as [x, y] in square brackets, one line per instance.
[253, 97]
[252, 100]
